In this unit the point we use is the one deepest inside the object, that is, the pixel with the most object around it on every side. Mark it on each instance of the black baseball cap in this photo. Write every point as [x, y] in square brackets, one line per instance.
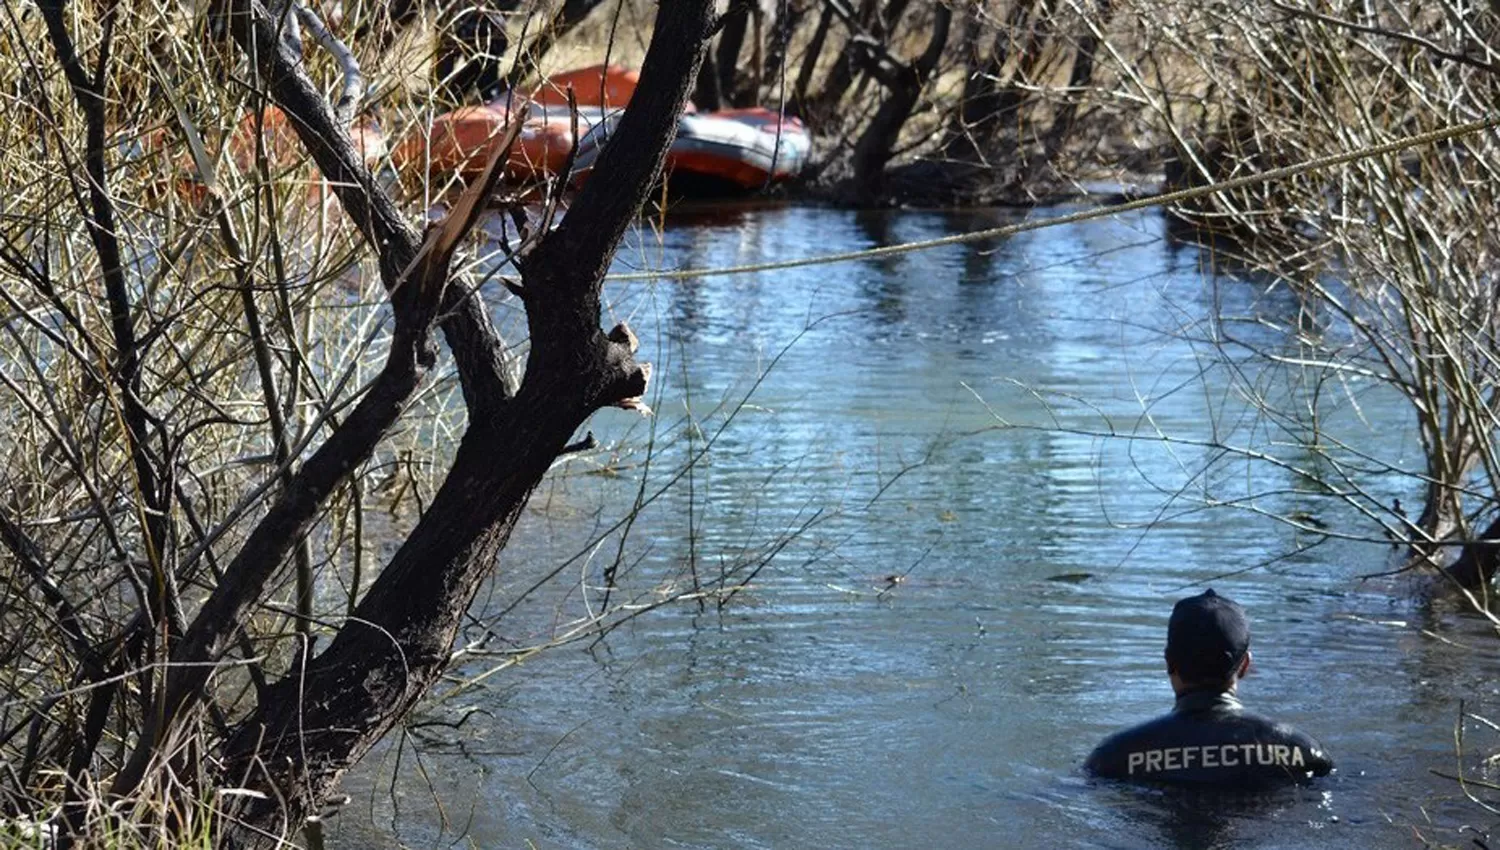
[1207, 637]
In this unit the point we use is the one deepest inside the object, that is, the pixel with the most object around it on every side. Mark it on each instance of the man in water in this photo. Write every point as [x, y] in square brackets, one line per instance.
[1208, 738]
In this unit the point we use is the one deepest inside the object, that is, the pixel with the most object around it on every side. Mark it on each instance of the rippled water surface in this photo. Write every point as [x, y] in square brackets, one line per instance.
[943, 416]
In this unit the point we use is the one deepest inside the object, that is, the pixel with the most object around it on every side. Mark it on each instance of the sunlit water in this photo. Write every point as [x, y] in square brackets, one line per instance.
[826, 707]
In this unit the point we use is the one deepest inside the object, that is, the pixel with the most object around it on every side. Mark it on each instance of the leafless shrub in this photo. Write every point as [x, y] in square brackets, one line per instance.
[218, 365]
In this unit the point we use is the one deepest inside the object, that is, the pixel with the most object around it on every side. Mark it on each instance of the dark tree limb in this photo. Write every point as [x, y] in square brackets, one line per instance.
[280, 439]
[866, 50]
[417, 282]
[89, 92]
[477, 348]
[875, 145]
[320, 720]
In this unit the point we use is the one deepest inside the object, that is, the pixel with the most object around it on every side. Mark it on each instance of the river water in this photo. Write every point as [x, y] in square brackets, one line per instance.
[946, 417]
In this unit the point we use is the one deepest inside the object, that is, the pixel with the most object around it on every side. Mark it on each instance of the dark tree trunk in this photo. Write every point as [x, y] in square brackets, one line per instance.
[990, 99]
[317, 722]
[707, 95]
[1475, 567]
[720, 83]
[821, 107]
[1442, 517]
[471, 45]
[471, 42]
[801, 104]
[905, 85]
[727, 55]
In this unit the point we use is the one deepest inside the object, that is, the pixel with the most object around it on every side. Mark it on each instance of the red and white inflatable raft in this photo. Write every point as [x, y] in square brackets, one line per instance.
[734, 150]
[462, 141]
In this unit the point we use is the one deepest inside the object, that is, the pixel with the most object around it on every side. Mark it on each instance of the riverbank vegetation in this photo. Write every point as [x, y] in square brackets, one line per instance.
[1389, 256]
[219, 319]
[220, 362]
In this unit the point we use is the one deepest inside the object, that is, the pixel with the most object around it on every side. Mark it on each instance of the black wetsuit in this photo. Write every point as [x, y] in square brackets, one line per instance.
[1209, 739]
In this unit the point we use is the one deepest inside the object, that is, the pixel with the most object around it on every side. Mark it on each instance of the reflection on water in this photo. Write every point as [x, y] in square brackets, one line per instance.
[830, 708]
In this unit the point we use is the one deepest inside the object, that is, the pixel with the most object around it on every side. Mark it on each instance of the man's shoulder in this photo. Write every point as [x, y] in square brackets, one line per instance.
[1269, 729]
[1228, 747]
[1109, 759]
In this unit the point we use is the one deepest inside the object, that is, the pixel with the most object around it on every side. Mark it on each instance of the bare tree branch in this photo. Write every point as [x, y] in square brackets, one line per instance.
[354, 80]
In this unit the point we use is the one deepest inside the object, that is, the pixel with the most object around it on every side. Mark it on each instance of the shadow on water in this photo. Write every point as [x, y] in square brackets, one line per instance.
[886, 288]
[983, 260]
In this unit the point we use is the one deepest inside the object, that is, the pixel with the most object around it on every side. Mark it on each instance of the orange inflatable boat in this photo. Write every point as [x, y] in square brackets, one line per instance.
[745, 149]
[606, 86]
[462, 141]
[732, 151]
[721, 153]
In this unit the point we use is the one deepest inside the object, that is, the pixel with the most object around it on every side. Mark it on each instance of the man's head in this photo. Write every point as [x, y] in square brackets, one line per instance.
[1208, 643]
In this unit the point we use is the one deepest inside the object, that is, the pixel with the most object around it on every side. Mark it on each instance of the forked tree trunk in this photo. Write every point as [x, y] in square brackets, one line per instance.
[311, 727]
[904, 84]
[305, 730]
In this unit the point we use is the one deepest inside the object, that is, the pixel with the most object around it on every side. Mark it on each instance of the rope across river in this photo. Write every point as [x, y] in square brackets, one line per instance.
[1317, 164]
